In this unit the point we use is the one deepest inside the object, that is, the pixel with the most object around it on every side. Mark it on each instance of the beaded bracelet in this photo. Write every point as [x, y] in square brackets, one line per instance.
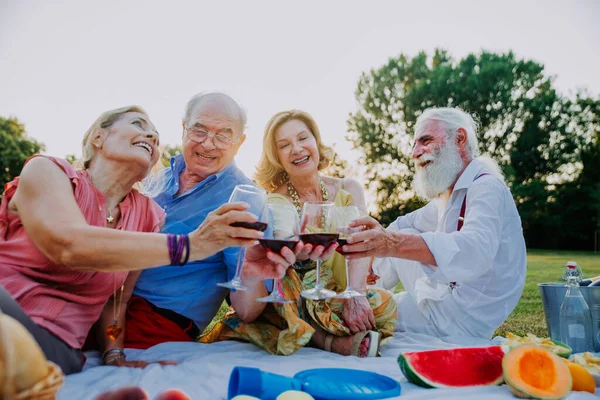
[112, 355]
[178, 245]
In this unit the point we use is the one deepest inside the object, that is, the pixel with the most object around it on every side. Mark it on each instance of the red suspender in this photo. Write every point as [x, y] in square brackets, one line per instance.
[461, 218]
[463, 208]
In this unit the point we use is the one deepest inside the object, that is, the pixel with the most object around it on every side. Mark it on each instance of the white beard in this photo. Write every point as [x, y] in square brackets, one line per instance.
[437, 177]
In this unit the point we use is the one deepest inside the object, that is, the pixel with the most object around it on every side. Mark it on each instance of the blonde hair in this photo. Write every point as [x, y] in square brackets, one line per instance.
[269, 172]
[105, 120]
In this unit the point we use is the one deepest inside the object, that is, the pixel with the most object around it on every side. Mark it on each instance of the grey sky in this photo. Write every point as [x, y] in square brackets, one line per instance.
[61, 65]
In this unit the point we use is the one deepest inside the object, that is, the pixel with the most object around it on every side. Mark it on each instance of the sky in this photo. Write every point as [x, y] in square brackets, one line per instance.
[62, 64]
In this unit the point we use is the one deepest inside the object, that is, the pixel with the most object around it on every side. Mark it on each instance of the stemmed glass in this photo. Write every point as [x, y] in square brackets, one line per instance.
[282, 232]
[256, 198]
[318, 227]
[344, 216]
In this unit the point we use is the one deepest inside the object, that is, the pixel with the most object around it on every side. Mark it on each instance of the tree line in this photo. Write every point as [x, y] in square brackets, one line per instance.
[547, 144]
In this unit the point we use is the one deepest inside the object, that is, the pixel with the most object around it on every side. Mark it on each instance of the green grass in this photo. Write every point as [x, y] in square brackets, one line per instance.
[544, 266]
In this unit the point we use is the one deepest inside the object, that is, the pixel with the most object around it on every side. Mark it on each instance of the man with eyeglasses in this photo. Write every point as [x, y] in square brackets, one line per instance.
[176, 303]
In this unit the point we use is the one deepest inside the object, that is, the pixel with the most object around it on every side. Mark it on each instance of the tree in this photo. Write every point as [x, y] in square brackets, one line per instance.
[15, 148]
[575, 209]
[71, 158]
[168, 152]
[337, 168]
[531, 130]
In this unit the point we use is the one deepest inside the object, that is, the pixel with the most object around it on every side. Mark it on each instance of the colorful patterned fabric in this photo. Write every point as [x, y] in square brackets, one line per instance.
[284, 328]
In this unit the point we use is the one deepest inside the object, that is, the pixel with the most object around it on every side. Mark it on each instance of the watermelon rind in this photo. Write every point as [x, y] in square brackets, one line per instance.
[411, 375]
[414, 377]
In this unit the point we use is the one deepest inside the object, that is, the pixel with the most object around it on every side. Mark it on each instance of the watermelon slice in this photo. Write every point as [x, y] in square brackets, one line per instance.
[454, 367]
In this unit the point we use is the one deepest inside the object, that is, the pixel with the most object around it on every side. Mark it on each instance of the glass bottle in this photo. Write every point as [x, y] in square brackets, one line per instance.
[575, 318]
[577, 268]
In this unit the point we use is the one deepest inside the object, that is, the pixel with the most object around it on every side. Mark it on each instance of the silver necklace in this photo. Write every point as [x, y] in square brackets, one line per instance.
[109, 217]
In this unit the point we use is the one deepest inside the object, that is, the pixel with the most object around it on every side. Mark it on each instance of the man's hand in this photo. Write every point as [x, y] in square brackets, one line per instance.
[216, 233]
[358, 315]
[372, 241]
[261, 264]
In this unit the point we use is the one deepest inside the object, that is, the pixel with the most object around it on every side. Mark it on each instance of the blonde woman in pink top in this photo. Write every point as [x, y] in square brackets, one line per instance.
[69, 237]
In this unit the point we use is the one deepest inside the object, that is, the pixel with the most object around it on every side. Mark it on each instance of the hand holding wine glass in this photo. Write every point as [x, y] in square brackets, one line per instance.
[283, 232]
[215, 233]
[318, 228]
[345, 215]
[256, 198]
[261, 264]
[371, 241]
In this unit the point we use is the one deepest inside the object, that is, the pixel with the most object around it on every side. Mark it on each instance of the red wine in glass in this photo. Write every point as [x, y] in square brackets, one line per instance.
[278, 244]
[256, 199]
[258, 226]
[319, 239]
[341, 243]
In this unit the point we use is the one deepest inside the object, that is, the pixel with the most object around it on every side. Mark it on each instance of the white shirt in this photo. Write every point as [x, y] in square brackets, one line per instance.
[486, 258]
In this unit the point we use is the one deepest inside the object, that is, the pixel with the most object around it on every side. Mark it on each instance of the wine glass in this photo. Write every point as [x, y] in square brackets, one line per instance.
[344, 216]
[256, 198]
[318, 227]
[282, 232]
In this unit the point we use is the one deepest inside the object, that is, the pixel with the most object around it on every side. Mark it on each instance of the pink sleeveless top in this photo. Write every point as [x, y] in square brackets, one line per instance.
[65, 301]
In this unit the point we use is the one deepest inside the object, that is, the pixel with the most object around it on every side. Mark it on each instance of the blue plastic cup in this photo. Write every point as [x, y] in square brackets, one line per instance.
[257, 383]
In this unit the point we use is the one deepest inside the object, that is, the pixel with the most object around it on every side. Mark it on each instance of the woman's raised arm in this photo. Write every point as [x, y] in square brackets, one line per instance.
[46, 205]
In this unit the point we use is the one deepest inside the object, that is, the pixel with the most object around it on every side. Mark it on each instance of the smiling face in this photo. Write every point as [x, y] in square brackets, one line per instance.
[297, 148]
[428, 142]
[438, 161]
[213, 116]
[132, 138]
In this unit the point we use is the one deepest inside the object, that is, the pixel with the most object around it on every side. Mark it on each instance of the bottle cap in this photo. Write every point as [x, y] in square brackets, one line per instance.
[571, 264]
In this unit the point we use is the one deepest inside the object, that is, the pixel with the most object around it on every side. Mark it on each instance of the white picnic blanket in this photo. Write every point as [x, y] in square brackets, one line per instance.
[204, 369]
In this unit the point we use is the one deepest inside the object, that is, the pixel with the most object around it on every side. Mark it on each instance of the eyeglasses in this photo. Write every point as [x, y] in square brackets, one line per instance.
[219, 141]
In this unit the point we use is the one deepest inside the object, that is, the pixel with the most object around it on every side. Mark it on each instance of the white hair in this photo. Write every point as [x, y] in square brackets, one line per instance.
[191, 104]
[452, 119]
[492, 166]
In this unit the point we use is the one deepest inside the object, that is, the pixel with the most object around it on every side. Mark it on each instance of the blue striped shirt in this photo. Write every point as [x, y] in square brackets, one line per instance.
[191, 290]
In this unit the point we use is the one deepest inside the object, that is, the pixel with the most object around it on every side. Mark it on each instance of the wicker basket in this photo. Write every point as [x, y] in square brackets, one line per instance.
[46, 388]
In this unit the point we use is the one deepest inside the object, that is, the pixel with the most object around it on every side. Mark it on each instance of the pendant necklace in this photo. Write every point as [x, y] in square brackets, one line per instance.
[113, 331]
[109, 217]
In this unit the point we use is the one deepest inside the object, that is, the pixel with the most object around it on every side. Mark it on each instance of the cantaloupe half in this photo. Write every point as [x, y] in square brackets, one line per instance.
[536, 373]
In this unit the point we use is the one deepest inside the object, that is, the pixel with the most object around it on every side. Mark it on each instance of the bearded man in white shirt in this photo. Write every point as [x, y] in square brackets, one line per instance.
[462, 257]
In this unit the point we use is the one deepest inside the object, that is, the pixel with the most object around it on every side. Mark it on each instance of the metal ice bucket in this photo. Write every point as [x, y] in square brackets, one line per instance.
[552, 297]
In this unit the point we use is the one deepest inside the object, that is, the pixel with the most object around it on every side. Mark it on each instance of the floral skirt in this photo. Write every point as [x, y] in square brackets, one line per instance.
[284, 328]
